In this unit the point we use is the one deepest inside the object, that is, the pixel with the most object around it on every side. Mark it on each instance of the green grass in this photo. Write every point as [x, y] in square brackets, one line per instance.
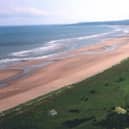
[85, 105]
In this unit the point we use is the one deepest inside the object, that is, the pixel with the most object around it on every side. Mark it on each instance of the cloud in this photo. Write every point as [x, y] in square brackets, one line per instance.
[23, 12]
[31, 11]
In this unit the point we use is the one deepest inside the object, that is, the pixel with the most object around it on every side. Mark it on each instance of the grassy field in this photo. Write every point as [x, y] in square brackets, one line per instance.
[89, 104]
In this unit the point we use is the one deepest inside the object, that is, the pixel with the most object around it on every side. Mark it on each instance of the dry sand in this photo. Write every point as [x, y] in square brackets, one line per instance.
[77, 66]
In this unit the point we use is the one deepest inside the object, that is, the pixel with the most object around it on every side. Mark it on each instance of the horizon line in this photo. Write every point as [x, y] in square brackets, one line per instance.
[56, 24]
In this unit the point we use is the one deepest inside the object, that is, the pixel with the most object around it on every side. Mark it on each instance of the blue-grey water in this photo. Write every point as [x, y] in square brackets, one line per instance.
[33, 42]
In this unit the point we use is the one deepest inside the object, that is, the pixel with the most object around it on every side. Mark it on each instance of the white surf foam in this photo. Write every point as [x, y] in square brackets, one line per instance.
[49, 47]
[10, 60]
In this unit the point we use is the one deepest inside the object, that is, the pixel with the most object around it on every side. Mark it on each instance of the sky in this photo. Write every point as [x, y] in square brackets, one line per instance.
[28, 12]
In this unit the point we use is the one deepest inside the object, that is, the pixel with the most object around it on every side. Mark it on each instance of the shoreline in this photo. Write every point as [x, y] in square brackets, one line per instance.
[84, 63]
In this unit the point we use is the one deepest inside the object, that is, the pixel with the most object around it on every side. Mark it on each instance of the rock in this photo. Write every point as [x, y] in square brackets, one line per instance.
[53, 112]
[120, 110]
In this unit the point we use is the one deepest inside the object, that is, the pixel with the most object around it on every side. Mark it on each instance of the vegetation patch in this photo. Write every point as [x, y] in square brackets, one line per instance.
[115, 121]
[76, 122]
[100, 102]
[74, 111]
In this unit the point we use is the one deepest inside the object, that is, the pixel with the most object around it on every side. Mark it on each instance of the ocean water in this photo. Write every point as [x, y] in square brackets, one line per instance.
[20, 43]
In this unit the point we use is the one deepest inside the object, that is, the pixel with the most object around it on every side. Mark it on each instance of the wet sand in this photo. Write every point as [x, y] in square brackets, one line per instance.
[5, 74]
[76, 66]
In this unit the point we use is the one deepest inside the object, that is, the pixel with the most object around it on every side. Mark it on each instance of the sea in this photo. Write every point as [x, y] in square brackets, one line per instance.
[22, 43]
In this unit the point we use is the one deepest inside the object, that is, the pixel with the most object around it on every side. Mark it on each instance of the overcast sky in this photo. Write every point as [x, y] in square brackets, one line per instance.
[24, 12]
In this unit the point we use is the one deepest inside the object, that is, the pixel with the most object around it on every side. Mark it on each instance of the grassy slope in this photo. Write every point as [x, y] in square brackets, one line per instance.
[81, 106]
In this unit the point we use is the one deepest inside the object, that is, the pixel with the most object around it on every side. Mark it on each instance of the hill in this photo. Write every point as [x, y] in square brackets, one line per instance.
[120, 22]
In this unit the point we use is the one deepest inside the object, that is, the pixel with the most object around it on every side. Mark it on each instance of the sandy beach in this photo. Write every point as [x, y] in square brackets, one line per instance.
[76, 66]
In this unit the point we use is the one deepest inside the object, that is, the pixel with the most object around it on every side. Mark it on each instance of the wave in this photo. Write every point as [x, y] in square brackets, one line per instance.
[10, 60]
[121, 28]
[49, 47]
[94, 36]
[55, 47]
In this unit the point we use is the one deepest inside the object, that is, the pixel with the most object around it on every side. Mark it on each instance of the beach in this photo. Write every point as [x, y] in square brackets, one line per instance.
[22, 85]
